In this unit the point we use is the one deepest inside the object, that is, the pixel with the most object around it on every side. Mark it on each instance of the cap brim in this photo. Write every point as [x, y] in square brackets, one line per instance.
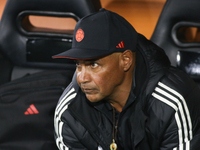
[76, 53]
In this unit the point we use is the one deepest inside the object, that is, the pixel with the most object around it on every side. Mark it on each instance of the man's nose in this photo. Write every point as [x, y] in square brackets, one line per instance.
[83, 75]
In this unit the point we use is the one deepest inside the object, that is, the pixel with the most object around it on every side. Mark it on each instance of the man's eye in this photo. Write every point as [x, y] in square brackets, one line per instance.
[77, 63]
[94, 65]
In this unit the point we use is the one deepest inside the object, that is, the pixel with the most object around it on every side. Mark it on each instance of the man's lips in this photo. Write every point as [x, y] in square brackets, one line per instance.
[89, 90]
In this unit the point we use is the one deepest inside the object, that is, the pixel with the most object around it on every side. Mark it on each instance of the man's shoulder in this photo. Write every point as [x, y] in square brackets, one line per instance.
[68, 94]
[65, 100]
[179, 81]
[174, 92]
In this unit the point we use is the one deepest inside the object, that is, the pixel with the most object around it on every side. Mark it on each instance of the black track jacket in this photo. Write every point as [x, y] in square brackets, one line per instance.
[165, 114]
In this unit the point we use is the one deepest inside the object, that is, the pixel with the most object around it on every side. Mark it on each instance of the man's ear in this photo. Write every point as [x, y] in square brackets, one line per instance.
[128, 59]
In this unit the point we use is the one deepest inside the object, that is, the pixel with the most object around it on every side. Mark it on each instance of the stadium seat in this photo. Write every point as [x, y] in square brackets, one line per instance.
[177, 32]
[29, 48]
[31, 82]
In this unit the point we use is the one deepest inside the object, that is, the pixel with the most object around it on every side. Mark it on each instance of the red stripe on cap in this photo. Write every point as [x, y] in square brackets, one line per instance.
[63, 57]
[122, 43]
[79, 58]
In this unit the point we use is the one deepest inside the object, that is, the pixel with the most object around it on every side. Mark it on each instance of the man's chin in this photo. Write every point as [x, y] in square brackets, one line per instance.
[93, 98]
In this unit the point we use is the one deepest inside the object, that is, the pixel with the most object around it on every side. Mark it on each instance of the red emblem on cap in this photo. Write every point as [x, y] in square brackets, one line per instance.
[79, 35]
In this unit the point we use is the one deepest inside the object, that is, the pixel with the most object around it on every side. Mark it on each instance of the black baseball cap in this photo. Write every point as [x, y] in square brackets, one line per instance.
[100, 34]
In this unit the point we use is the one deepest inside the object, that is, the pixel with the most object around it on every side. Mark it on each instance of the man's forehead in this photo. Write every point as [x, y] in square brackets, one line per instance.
[86, 60]
[91, 59]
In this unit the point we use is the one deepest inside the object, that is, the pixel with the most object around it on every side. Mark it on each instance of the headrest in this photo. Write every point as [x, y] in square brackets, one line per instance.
[27, 45]
[177, 32]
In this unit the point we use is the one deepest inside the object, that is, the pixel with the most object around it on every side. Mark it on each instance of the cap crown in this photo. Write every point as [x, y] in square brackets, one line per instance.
[100, 34]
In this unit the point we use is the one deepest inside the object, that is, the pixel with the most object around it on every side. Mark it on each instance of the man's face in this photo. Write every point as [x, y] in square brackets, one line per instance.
[101, 78]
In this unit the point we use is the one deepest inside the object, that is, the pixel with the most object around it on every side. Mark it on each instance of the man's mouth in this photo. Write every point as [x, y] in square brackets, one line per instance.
[89, 90]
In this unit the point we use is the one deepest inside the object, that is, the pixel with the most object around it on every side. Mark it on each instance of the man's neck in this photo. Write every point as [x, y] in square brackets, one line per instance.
[120, 99]
[123, 91]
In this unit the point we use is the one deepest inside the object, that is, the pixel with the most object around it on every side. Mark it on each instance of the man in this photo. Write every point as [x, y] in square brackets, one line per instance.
[124, 94]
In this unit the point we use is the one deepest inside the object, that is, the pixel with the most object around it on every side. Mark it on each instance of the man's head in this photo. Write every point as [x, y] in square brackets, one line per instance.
[107, 77]
[103, 46]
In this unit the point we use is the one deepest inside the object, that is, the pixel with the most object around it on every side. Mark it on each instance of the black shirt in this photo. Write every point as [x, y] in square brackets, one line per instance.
[123, 133]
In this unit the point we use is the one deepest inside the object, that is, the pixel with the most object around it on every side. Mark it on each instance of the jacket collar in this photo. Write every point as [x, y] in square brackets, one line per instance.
[151, 64]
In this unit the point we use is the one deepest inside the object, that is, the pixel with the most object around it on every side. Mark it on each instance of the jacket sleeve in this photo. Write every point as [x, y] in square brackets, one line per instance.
[70, 134]
[178, 117]
[66, 139]
[63, 123]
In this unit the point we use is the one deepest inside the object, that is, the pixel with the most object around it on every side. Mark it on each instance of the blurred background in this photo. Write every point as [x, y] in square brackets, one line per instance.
[28, 40]
[142, 14]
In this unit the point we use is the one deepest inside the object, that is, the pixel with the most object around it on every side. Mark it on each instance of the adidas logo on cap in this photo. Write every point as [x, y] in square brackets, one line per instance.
[120, 45]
